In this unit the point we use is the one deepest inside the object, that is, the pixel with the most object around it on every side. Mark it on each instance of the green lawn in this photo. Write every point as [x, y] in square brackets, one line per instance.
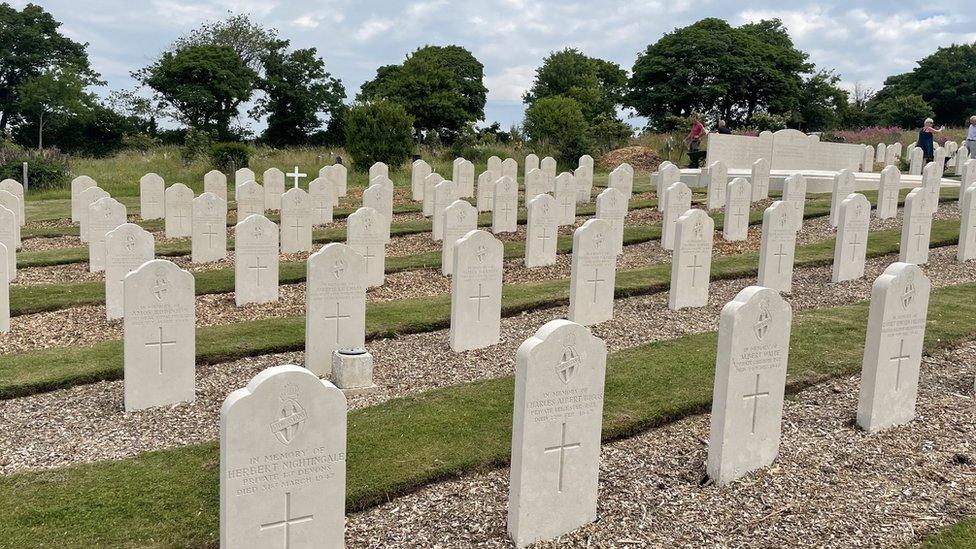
[958, 536]
[170, 498]
[49, 369]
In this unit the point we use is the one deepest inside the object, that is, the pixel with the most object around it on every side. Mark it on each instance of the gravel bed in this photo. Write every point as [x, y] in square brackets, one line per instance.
[86, 423]
[831, 486]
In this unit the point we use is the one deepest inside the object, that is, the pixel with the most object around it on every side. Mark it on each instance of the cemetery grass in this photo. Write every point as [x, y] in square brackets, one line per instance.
[50, 369]
[169, 498]
[958, 536]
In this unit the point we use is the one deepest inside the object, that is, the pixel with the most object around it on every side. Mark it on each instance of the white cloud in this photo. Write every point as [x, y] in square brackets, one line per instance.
[372, 28]
[511, 83]
[306, 22]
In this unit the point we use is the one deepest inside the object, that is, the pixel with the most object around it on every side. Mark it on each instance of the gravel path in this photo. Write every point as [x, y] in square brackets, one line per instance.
[831, 486]
[87, 325]
[86, 423]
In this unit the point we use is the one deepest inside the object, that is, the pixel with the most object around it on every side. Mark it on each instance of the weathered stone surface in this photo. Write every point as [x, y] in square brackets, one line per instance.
[737, 201]
[548, 167]
[296, 221]
[380, 198]
[715, 179]
[750, 381]
[4, 290]
[542, 231]
[419, 171]
[241, 177]
[893, 347]
[255, 260]
[916, 229]
[9, 237]
[691, 263]
[851, 244]
[364, 233]
[505, 206]
[667, 174]
[485, 192]
[777, 248]
[78, 185]
[593, 274]
[215, 182]
[379, 169]
[179, 211]
[321, 193]
[88, 197]
[611, 206]
[843, 187]
[430, 182]
[126, 248]
[888, 188]
[445, 193]
[565, 194]
[760, 180]
[250, 200]
[104, 215]
[622, 179]
[476, 291]
[274, 186]
[535, 183]
[152, 201]
[463, 177]
[460, 218]
[209, 228]
[795, 193]
[677, 201]
[559, 383]
[510, 168]
[335, 305]
[584, 178]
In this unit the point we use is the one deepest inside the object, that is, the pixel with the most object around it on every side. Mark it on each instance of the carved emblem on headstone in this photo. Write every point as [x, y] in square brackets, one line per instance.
[481, 253]
[460, 215]
[858, 211]
[908, 296]
[257, 231]
[569, 361]
[699, 229]
[291, 416]
[211, 204]
[763, 320]
[129, 243]
[339, 268]
[160, 284]
[784, 218]
[599, 239]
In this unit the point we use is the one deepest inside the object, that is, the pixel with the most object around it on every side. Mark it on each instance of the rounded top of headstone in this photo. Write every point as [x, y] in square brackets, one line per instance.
[766, 308]
[288, 380]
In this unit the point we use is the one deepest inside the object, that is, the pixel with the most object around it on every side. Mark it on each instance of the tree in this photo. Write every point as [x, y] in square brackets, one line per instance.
[95, 131]
[380, 131]
[204, 85]
[597, 85]
[945, 80]
[712, 67]
[608, 132]
[297, 88]
[53, 93]
[30, 44]
[249, 40]
[558, 122]
[821, 104]
[440, 86]
[904, 111]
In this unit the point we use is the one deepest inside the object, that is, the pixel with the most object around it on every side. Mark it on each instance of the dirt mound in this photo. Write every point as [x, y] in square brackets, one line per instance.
[642, 159]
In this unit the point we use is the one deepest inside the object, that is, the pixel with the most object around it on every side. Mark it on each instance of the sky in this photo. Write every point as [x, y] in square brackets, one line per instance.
[864, 42]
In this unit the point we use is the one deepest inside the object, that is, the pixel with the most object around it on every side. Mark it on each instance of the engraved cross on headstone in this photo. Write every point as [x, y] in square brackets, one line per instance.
[338, 318]
[480, 297]
[544, 237]
[779, 258]
[561, 448]
[160, 343]
[919, 237]
[210, 234]
[287, 522]
[257, 268]
[755, 402]
[596, 280]
[898, 359]
[854, 245]
[180, 216]
[694, 269]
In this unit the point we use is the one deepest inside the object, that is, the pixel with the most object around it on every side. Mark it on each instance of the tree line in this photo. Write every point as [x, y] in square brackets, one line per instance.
[753, 76]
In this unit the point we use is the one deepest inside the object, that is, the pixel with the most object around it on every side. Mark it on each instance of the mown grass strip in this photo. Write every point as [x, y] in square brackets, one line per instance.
[50, 369]
[170, 497]
[961, 535]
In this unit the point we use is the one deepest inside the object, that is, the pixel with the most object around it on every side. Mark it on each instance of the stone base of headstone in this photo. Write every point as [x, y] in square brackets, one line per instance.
[352, 371]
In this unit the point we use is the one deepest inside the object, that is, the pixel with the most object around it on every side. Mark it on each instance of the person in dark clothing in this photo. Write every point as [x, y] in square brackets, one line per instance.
[926, 140]
[723, 128]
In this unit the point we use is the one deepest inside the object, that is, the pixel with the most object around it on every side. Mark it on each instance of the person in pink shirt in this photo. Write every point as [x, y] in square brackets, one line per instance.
[694, 139]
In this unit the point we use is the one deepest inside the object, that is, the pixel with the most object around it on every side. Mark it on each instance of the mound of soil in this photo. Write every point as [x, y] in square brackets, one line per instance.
[643, 159]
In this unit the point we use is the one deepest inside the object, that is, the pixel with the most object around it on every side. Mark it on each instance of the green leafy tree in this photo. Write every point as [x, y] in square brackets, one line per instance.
[249, 40]
[597, 85]
[608, 132]
[296, 89]
[904, 111]
[441, 87]
[30, 44]
[53, 94]
[558, 122]
[712, 67]
[822, 103]
[945, 80]
[380, 131]
[205, 85]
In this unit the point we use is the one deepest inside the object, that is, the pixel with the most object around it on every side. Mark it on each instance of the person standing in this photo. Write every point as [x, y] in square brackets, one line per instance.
[971, 137]
[926, 140]
[694, 141]
[723, 128]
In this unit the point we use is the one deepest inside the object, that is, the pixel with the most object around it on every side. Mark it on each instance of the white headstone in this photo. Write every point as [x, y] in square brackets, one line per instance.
[535, 183]
[504, 207]
[255, 260]
[335, 305]
[476, 291]
[419, 171]
[760, 180]
[843, 187]
[430, 182]
[962, 154]
[13, 203]
[510, 168]
[179, 211]
[715, 180]
[622, 179]
[283, 462]
[777, 248]
[968, 175]
[892, 154]
[379, 169]
[677, 201]
[209, 228]
[584, 178]
[915, 161]
[78, 185]
[565, 194]
[463, 177]
[879, 153]
[795, 194]
[556, 446]
[4, 291]
[495, 167]
[667, 174]
[296, 221]
[485, 192]
[159, 329]
[460, 218]
[242, 176]
[126, 249]
[542, 231]
[593, 274]
[88, 197]
[10, 238]
[851, 244]
[445, 193]
[274, 186]
[737, 201]
[867, 164]
[339, 176]
[152, 202]
[967, 226]
[250, 200]
[380, 198]
[750, 382]
[548, 167]
[364, 233]
[916, 229]
[691, 263]
[321, 194]
[932, 183]
[888, 188]
[103, 216]
[16, 189]
[611, 206]
[215, 182]
[893, 347]
[531, 162]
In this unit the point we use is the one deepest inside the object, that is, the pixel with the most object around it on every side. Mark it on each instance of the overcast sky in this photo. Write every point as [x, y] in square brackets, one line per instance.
[864, 42]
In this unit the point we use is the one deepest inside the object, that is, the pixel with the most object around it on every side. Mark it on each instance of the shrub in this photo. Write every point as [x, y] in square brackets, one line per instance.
[379, 131]
[42, 173]
[229, 156]
[906, 111]
[559, 122]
